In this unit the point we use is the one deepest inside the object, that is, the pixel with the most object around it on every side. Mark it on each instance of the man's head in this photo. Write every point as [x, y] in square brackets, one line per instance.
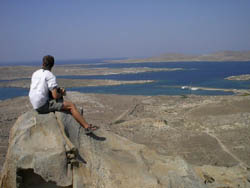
[48, 62]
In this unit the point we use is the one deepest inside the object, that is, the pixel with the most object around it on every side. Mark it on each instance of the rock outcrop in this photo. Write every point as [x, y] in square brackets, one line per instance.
[52, 150]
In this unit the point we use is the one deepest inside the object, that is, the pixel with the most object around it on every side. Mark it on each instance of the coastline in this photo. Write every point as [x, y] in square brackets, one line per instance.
[184, 125]
[69, 83]
[25, 72]
[195, 88]
[19, 77]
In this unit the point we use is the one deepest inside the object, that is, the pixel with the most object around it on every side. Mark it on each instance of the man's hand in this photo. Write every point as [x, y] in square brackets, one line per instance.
[63, 91]
[56, 94]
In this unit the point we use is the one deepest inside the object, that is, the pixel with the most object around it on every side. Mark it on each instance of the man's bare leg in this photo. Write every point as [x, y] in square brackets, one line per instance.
[69, 106]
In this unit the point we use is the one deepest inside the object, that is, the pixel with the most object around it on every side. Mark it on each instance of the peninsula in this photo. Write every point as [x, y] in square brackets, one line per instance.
[23, 72]
[19, 76]
[239, 77]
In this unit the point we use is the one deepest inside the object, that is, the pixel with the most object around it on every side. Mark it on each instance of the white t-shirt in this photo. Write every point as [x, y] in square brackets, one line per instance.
[41, 82]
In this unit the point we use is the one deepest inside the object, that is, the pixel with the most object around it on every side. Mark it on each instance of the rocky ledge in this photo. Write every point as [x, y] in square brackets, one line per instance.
[52, 150]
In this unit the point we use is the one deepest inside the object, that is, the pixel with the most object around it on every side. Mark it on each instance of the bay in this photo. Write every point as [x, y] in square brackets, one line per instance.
[8, 93]
[195, 74]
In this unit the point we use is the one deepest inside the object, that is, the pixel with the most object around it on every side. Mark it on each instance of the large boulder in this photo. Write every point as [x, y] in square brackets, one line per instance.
[52, 150]
[36, 146]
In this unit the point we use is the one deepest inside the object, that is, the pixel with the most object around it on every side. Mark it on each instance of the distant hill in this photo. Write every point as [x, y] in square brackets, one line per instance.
[174, 57]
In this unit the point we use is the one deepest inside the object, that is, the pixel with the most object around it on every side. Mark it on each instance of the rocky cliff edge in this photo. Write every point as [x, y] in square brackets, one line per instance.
[52, 150]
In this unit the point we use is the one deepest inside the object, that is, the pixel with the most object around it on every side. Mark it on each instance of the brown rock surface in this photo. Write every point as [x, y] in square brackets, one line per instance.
[208, 132]
[9, 111]
[35, 146]
[38, 156]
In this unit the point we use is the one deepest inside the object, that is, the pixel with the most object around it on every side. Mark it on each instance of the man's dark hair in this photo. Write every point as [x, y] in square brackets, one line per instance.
[48, 62]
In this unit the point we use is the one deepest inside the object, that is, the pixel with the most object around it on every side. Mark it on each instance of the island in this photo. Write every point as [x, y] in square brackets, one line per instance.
[239, 77]
[177, 57]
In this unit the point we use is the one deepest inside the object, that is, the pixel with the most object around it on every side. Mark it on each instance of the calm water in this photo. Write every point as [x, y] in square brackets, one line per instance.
[7, 93]
[202, 74]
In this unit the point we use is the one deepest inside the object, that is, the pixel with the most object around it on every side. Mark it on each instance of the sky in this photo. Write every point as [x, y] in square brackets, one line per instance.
[83, 29]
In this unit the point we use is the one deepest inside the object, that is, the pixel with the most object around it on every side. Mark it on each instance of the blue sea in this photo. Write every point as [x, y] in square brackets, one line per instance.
[195, 74]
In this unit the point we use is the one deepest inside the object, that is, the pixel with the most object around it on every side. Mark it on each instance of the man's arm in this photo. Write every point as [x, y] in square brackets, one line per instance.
[55, 94]
[58, 93]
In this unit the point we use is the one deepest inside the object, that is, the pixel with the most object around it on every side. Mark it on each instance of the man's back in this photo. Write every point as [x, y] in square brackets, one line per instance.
[41, 82]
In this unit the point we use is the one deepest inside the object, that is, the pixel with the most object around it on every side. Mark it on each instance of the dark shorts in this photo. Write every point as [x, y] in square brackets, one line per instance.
[50, 106]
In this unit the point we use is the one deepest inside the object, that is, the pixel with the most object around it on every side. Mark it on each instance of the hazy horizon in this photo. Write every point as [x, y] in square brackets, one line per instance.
[75, 30]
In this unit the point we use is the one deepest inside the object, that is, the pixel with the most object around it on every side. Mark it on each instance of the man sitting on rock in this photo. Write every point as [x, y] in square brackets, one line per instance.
[45, 95]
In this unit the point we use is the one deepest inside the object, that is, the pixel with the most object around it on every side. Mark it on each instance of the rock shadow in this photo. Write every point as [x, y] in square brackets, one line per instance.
[95, 137]
[26, 178]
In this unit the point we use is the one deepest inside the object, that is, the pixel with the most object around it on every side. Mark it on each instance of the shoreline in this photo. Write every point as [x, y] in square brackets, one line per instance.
[195, 88]
[70, 83]
[25, 72]
[75, 83]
